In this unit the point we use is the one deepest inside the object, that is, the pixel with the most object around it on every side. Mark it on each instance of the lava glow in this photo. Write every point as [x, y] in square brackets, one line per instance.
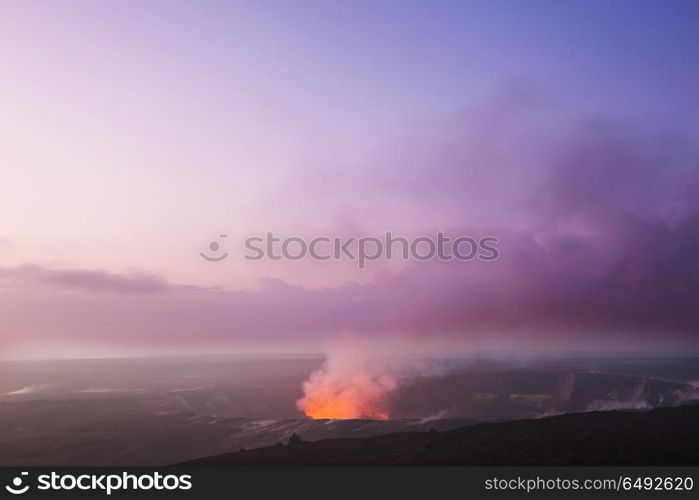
[339, 407]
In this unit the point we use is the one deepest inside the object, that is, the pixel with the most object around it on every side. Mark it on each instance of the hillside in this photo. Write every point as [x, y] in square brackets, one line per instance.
[664, 436]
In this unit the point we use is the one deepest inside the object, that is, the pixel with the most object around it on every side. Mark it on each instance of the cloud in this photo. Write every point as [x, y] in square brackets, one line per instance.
[597, 220]
[96, 281]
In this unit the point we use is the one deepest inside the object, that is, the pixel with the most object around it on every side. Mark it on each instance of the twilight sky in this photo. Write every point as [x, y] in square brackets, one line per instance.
[132, 134]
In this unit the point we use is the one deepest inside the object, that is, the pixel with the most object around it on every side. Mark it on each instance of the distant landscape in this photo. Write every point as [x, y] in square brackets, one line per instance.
[160, 411]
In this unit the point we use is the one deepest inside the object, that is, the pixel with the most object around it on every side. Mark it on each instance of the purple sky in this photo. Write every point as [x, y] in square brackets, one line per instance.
[133, 135]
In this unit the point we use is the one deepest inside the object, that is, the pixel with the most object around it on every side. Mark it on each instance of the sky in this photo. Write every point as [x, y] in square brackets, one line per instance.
[134, 134]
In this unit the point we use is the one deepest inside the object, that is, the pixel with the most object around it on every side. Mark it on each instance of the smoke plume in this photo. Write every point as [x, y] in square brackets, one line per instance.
[350, 384]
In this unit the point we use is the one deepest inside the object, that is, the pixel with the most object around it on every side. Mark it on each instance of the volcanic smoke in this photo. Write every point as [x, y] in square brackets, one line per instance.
[348, 385]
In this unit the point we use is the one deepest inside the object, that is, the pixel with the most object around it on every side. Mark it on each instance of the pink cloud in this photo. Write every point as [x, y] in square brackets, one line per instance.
[598, 227]
[87, 280]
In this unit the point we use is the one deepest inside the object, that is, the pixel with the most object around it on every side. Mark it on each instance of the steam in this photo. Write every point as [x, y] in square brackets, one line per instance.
[359, 374]
[435, 416]
[608, 405]
[30, 389]
[350, 384]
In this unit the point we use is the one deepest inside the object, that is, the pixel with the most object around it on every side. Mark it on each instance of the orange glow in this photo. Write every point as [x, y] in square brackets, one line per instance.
[346, 390]
[337, 407]
[350, 384]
